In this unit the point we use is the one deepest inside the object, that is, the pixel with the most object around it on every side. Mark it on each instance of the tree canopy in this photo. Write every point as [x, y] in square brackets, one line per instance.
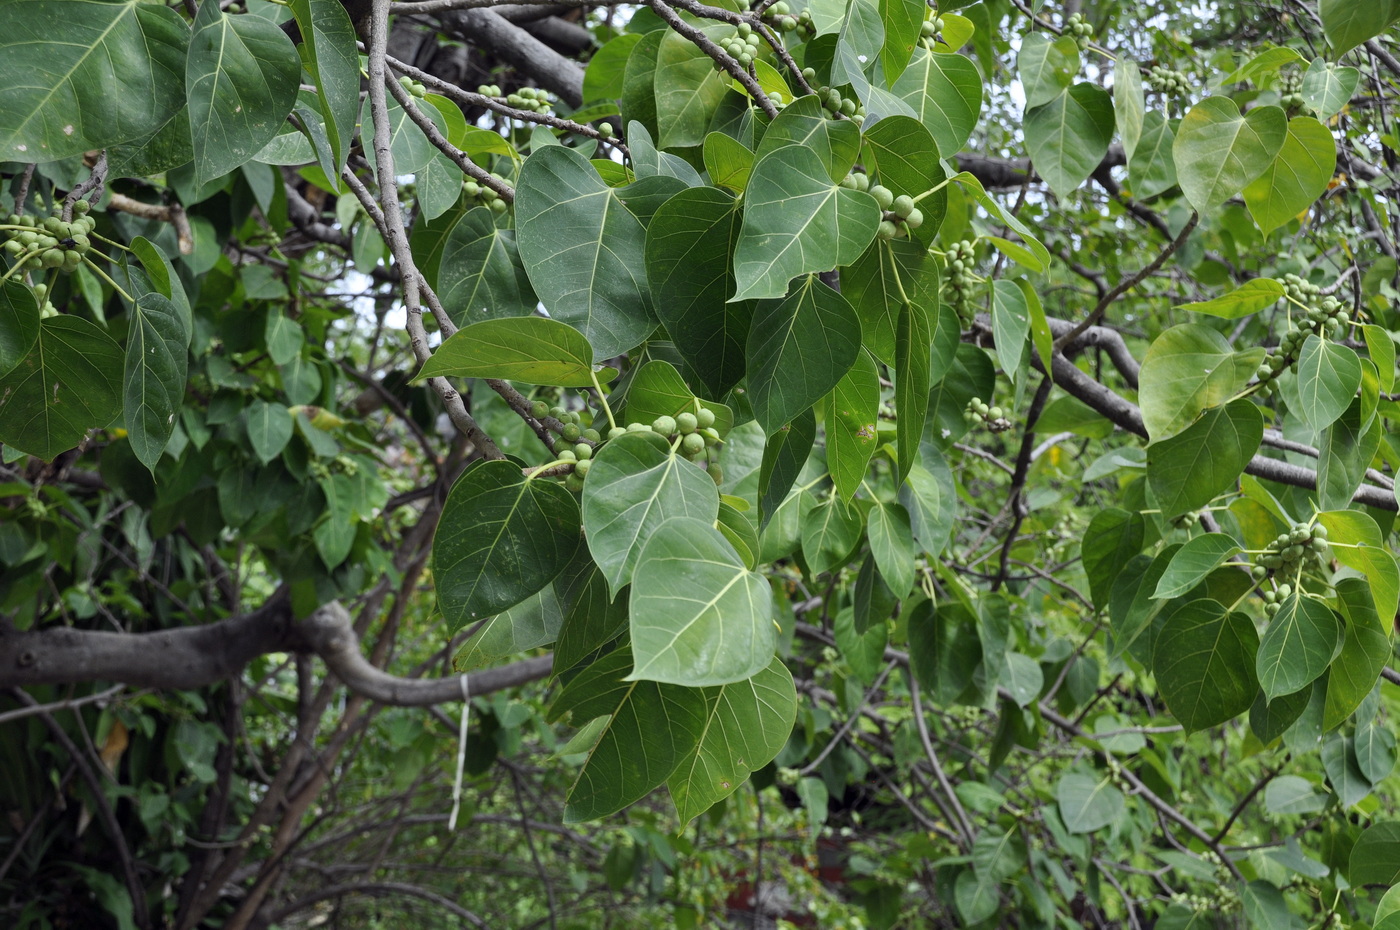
[863, 463]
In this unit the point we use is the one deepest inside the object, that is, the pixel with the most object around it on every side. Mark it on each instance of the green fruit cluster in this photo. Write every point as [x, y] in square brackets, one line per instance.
[487, 196]
[742, 45]
[50, 243]
[1077, 29]
[806, 28]
[930, 31]
[532, 99]
[961, 256]
[900, 214]
[1303, 546]
[780, 16]
[832, 100]
[1290, 89]
[1325, 317]
[413, 87]
[691, 433]
[1186, 520]
[994, 418]
[1169, 82]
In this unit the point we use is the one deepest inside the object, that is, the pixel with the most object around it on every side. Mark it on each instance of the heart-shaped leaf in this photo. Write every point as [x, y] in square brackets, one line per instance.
[1298, 645]
[1203, 659]
[69, 383]
[1218, 150]
[1296, 178]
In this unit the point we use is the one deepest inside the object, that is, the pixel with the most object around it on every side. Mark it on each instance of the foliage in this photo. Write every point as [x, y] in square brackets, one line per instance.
[1014, 538]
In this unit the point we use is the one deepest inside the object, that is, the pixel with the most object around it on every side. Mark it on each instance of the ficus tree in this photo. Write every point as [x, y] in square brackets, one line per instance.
[948, 445]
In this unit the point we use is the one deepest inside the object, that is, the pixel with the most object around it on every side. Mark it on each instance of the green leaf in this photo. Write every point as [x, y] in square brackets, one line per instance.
[1011, 325]
[863, 652]
[1114, 536]
[1218, 151]
[651, 728]
[1265, 907]
[1193, 562]
[1375, 858]
[745, 725]
[1187, 471]
[1129, 108]
[944, 650]
[1151, 169]
[1382, 351]
[591, 618]
[1291, 794]
[688, 91]
[901, 153]
[657, 389]
[1347, 452]
[154, 375]
[878, 283]
[1068, 137]
[1203, 660]
[69, 383]
[892, 545]
[1298, 645]
[584, 251]
[532, 623]
[480, 276]
[530, 349]
[329, 40]
[830, 532]
[796, 221]
[1374, 746]
[698, 616]
[19, 324]
[1366, 553]
[1047, 67]
[690, 245]
[804, 123]
[1006, 218]
[728, 161]
[1348, 23]
[1328, 377]
[1088, 803]
[851, 427]
[1328, 87]
[241, 77]
[798, 349]
[283, 337]
[635, 484]
[1250, 297]
[1297, 177]
[1365, 650]
[913, 340]
[902, 21]
[602, 79]
[269, 429]
[1262, 65]
[502, 537]
[784, 454]
[93, 74]
[1190, 368]
[945, 92]
[975, 897]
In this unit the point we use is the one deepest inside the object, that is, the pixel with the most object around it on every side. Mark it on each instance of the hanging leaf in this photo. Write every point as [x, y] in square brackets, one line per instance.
[1296, 178]
[1203, 661]
[1193, 562]
[479, 275]
[1298, 645]
[1218, 150]
[851, 425]
[1047, 67]
[154, 375]
[531, 349]
[1069, 136]
[1190, 368]
[1250, 297]
[19, 324]
[1328, 377]
[1187, 471]
[69, 383]
[945, 92]
[1088, 803]
[329, 39]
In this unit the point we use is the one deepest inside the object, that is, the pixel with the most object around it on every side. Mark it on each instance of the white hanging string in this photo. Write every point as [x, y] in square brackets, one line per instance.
[461, 756]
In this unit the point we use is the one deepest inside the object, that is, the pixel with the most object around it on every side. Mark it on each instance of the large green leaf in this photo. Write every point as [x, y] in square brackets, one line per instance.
[804, 123]
[69, 383]
[784, 455]
[698, 616]
[650, 729]
[1218, 151]
[746, 724]
[269, 429]
[657, 389]
[892, 545]
[1328, 87]
[1186, 471]
[1193, 562]
[19, 324]
[1328, 376]
[1088, 803]
[1187, 369]
[1151, 168]
[1298, 645]
[1362, 548]
[533, 622]
[877, 286]
[1039, 257]
[690, 245]
[1011, 325]
[502, 537]
[241, 78]
[1347, 451]
[688, 90]
[830, 532]
[328, 38]
[1069, 136]
[1375, 857]
[479, 275]
[1129, 107]
[914, 344]
[851, 425]
[1250, 297]
[1203, 660]
[798, 349]
[797, 220]
[154, 375]
[1047, 67]
[1348, 23]
[584, 251]
[635, 484]
[1298, 175]
[85, 74]
[1365, 650]
[945, 92]
[532, 349]
[1114, 536]
[901, 153]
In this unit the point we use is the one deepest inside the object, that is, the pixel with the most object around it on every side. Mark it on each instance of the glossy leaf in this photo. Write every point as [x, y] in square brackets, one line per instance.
[1328, 87]
[1203, 661]
[784, 454]
[241, 77]
[892, 544]
[1068, 136]
[851, 425]
[269, 429]
[688, 90]
[914, 338]
[746, 724]
[1151, 168]
[877, 286]
[531, 349]
[1190, 368]
[1297, 177]
[1011, 325]
[585, 253]
[1218, 150]
[1297, 646]
[1328, 377]
[945, 92]
[154, 375]
[1250, 297]
[830, 532]
[502, 537]
[1365, 650]
[635, 484]
[1129, 107]
[1366, 553]
[798, 349]
[69, 383]
[1348, 23]
[532, 623]
[1193, 562]
[480, 276]
[19, 324]
[804, 123]
[656, 389]
[334, 65]
[1188, 470]
[1047, 67]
